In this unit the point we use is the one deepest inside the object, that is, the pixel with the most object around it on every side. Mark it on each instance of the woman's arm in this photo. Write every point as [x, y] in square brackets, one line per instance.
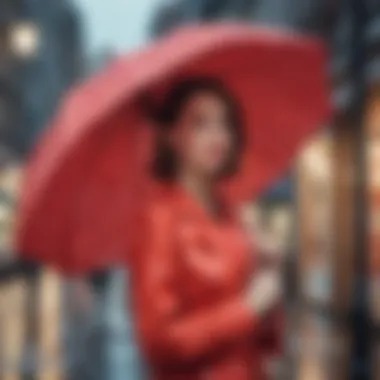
[167, 332]
[270, 256]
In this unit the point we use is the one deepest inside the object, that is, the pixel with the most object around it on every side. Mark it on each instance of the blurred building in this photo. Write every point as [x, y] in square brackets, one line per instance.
[313, 16]
[41, 55]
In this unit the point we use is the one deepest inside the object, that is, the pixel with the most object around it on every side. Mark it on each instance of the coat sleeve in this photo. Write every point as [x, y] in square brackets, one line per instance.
[269, 335]
[166, 331]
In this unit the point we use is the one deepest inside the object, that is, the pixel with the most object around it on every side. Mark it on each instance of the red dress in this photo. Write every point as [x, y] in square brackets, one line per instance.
[187, 291]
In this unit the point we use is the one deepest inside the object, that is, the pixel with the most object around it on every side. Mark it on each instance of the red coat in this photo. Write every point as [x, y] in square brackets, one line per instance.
[187, 291]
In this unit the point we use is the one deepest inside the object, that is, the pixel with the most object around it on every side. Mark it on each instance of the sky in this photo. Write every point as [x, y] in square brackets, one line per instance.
[117, 24]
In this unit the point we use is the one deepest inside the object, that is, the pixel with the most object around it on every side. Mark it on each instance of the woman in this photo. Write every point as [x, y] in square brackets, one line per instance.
[202, 308]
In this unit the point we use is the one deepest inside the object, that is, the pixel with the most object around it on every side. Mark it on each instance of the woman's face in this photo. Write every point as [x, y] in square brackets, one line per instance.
[203, 137]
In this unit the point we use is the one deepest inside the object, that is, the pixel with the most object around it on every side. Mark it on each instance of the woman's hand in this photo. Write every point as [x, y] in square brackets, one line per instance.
[270, 251]
[267, 242]
[264, 292]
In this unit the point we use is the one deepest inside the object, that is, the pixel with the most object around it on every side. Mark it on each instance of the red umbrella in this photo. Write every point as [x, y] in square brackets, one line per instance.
[87, 177]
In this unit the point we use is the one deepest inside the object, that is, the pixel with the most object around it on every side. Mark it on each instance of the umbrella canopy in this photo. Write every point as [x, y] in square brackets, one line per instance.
[86, 180]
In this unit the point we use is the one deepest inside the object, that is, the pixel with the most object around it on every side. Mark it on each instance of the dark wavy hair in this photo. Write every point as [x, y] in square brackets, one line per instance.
[165, 116]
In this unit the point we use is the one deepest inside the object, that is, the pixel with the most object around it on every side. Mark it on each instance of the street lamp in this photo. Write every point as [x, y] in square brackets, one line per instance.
[24, 39]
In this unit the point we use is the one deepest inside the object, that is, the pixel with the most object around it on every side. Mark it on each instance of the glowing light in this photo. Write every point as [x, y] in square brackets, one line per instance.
[25, 39]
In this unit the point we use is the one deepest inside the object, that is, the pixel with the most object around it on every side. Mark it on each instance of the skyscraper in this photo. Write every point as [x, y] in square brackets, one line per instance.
[41, 57]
